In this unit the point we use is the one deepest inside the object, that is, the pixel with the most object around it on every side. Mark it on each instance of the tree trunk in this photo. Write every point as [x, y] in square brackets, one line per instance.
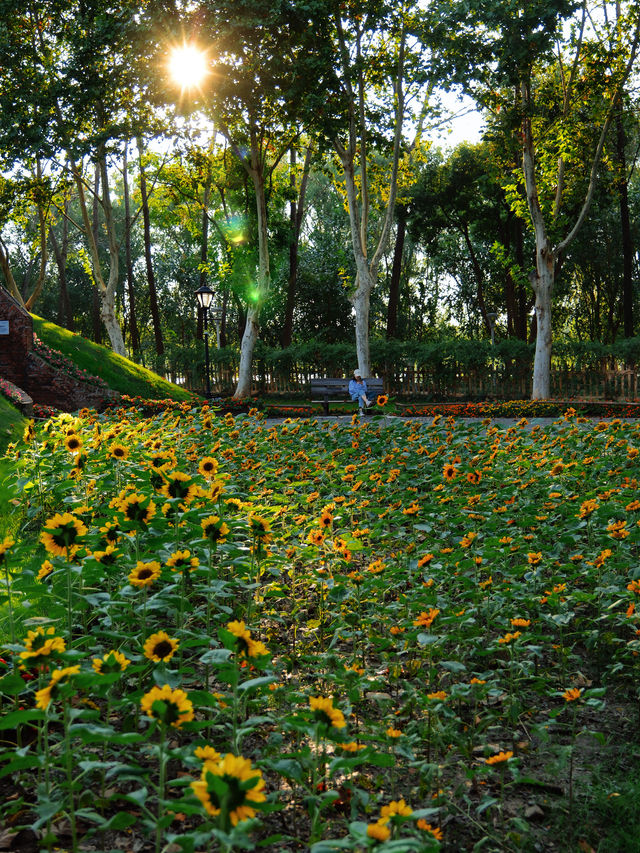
[5, 265]
[256, 301]
[543, 288]
[44, 248]
[106, 291]
[296, 214]
[60, 250]
[625, 224]
[134, 334]
[151, 279]
[96, 323]
[396, 273]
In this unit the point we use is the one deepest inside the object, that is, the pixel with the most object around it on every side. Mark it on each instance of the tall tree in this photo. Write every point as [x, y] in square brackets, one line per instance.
[490, 48]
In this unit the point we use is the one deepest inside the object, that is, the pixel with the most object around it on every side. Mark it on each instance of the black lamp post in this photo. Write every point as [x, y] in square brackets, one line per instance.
[204, 296]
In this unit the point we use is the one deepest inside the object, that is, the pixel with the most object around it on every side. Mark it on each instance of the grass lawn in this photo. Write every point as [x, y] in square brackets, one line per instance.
[118, 372]
[321, 635]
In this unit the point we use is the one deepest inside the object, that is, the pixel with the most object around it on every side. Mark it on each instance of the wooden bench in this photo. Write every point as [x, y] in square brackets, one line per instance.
[327, 391]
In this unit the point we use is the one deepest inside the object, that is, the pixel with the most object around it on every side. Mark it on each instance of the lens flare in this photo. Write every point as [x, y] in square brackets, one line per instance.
[188, 66]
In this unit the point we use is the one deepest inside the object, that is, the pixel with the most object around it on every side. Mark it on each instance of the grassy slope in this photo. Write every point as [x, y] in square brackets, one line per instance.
[12, 423]
[119, 373]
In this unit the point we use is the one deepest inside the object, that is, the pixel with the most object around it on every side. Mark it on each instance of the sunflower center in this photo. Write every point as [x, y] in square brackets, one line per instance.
[163, 649]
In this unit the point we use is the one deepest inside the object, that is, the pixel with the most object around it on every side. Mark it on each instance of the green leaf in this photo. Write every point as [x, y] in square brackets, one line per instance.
[15, 718]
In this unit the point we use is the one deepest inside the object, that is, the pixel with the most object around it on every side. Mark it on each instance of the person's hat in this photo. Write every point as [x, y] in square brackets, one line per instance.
[356, 372]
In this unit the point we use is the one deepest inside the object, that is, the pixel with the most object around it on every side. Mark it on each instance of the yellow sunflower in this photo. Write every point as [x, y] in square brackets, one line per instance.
[208, 467]
[260, 528]
[112, 661]
[160, 647]
[5, 546]
[137, 508]
[61, 534]
[41, 643]
[245, 644]
[118, 451]
[59, 677]
[144, 574]
[325, 713]
[180, 486]
[241, 791]
[170, 706]
[214, 529]
[180, 560]
[73, 444]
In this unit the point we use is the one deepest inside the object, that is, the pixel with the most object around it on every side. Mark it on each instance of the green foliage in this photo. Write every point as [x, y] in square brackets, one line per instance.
[12, 424]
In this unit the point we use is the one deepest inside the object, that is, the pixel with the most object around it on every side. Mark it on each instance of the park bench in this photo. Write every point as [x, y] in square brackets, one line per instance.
[327, 391]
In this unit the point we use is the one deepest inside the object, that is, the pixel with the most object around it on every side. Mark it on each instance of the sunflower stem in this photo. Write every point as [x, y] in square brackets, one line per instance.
[161, 787]
[8, 585]
[68, 754]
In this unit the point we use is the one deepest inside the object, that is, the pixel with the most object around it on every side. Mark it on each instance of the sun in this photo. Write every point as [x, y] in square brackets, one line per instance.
[188, 66]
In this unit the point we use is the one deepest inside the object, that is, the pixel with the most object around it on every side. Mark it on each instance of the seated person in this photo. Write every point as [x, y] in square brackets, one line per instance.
[358, 390]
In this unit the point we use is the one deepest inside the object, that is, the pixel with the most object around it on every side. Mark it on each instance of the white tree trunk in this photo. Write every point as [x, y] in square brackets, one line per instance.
[543, 288]
[360, 301]
[247, 346]
[252, 327]
[107, 293]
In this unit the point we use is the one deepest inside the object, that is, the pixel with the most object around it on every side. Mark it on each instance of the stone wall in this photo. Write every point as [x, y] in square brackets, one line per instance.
[39, 379]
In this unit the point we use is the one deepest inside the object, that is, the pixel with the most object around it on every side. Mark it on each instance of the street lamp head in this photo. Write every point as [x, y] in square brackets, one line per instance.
[204, 295]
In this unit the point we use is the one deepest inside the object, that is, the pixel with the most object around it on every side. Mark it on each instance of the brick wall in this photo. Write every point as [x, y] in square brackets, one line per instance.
[15, 346]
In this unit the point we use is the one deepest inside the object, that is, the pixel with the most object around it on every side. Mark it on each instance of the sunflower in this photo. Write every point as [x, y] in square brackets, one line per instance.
[107, 557]
[73, 443]
[137, 509]
[41, 643]
[449, 472]
[59, 677]
[61, 533]
[110, 533]
[160, 647]
[45, 569]
[171, 707]
[5, 546]
[499, 758]
[208, 467]
[260, 528]
[214, 529]
[29, 433]
[180, 560]
[315, 537]
[233, 504]
[246, 646]
[232, 784]
[118, 451]
[207, 753]
[325, 713]
[144, 574]
[378, 831]
[382, 400]
[395, 807]
[214, 491]
[163, 460]
[425, 619]
[180, 486]
[326, 519]
[112, 661]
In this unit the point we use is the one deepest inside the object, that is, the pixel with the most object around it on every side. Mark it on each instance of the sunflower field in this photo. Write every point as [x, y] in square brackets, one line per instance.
[225, 634]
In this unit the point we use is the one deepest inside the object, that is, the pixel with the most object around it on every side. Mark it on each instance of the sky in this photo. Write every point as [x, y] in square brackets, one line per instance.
[466, 127]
